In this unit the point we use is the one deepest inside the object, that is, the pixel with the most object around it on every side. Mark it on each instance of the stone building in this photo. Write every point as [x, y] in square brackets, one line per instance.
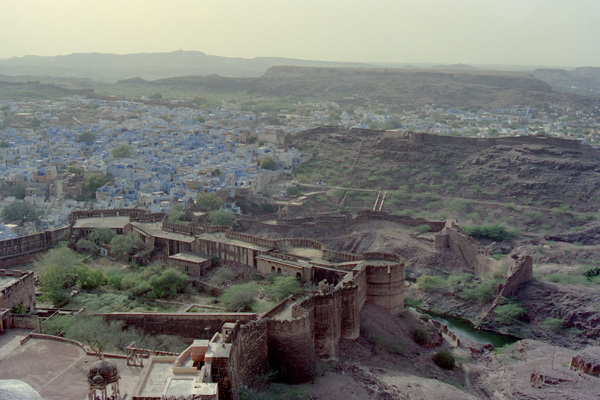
[16, 289]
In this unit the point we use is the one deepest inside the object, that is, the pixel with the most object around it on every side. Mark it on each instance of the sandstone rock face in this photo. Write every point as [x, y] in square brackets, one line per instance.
[587, 361]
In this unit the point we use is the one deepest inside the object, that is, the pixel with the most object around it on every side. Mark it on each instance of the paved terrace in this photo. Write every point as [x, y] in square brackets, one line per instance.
[57, 370]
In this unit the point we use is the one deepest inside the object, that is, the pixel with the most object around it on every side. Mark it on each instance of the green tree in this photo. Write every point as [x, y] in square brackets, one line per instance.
[176, 214]
[102, 235]
[282, 287]
[94, 182]
[209, 201]
[96, 332]
[35, 122]
[75, 169]
[58, 274]
[216, 172]
[156, 96]
[168, 284]
[268, 163]
[20, 212]
[87, 246]
[124, 246]
[122, 151]
[18, 191]
[86, 137]
[89, 278]
[240, 298]
[293, 191]
[4, 144]
[222, 218]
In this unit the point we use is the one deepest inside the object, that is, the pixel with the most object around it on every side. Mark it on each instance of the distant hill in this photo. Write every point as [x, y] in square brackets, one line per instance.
[455, 67]
[114, 67]
[585, 80]
[397, 88]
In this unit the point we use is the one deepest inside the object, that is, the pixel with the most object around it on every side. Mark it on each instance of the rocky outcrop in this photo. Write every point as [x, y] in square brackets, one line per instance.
[587, 361]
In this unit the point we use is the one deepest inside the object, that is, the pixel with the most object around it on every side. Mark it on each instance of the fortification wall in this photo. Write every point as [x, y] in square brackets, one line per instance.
[428, 138]
[325, 313]
[292, 348]
[22, 249]
[271, 243]
[248, 357]
[187, 325]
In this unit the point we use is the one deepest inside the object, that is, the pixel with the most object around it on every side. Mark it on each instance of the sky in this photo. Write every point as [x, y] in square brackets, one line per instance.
[510, 32]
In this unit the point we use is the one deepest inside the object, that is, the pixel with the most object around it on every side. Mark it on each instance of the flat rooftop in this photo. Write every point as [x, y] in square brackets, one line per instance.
[98, 223]
[155, 229]
[6, 281]
[220, 237]
[162, 381]
[189, 257]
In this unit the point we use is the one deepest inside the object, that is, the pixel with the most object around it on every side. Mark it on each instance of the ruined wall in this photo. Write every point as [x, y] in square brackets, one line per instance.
[519, 272]
[248, 357]
[473, 254]
[292, 348]
[188, 325]
[21, 291]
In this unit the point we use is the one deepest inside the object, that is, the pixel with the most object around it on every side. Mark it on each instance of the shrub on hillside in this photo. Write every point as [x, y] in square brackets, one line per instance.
[428, 283]
[494, 232]
[421, 336]
[553, 325]
[508, 313]
[444, 359]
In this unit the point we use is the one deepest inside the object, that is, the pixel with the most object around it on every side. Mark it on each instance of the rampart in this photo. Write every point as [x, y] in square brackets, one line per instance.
[428, 138]
[249, 354]
[24, 249]
[292, 347]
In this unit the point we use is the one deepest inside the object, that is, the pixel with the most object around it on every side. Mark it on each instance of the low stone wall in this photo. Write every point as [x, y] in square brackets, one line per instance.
[186, 325]
[25, 321]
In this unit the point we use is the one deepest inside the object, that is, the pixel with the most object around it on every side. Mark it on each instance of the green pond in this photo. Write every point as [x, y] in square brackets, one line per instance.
[466, 329]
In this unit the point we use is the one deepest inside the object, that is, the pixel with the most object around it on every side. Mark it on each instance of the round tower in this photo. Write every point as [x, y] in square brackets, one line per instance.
[385, 280]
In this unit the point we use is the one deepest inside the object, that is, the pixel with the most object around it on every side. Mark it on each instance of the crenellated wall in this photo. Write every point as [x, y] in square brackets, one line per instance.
[17, 251]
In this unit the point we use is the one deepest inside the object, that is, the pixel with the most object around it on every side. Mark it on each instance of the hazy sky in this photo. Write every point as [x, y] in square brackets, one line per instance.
[525, 32]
